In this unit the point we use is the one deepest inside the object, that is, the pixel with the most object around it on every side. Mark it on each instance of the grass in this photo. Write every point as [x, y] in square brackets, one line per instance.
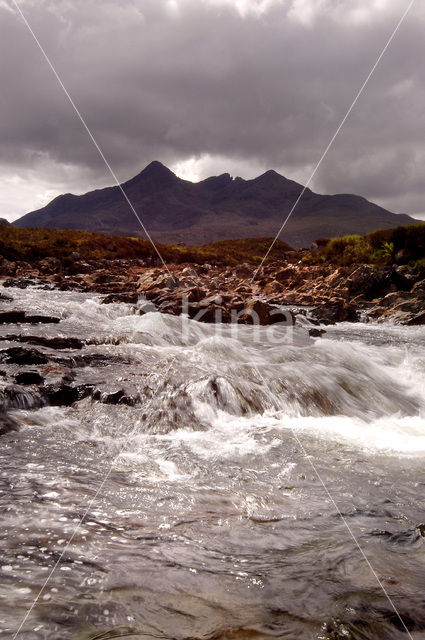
[35, 244]
[402, 245]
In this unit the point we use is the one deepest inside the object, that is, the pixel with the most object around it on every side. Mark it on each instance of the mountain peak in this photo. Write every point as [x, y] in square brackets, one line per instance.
[155, 173]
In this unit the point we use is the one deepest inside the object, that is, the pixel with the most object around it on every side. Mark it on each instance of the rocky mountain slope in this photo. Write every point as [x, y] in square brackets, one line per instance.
[176, 210]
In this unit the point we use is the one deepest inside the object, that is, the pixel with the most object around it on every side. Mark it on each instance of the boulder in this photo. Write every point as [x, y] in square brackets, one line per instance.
[335, 311]
[7, 423]
[19, 355]
[316, 333]
[18, 397]
[12, 317]
[29, 378]
[62, 396]
[418, 319]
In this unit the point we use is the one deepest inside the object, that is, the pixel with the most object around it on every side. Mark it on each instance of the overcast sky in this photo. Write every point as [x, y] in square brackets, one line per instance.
[212, 86]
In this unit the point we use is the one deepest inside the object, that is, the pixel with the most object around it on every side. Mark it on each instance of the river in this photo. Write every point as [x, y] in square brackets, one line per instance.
[238, 498]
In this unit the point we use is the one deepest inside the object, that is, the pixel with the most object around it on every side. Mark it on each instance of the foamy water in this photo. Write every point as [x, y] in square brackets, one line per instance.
[212, 522]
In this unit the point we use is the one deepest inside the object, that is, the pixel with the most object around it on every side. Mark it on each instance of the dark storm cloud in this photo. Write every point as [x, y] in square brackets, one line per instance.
[265, 85]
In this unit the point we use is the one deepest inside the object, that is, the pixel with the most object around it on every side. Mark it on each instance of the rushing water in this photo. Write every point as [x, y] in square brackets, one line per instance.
[210, 508]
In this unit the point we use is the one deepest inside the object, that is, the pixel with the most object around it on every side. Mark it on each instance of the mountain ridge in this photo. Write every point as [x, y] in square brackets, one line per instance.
[218, 207]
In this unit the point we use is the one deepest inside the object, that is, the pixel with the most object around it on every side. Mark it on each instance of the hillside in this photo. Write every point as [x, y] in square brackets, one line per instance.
[220, 207]
[36, 244]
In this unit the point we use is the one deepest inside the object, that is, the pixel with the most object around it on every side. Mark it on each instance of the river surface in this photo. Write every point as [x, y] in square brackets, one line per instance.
[235, 500]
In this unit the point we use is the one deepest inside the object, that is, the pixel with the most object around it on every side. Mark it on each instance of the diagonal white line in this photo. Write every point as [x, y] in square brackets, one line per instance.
[91, 136]
[366, 559]
[343, 121]
[86, 512]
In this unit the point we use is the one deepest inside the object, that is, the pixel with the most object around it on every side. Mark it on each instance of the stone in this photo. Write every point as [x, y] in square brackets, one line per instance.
[316, 333]
[418, 319]
[7, 423]
[125, 297]
[63, 396]
[41, 320]
[12, 317]
[18, 397]
[19, 355]
[28, 378]
[335, 311]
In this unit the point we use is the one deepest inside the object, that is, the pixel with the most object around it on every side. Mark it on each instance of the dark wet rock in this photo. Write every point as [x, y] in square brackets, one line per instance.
[214, 313]
[19, 283]
[49, 265]
[19, 317]
[370, 282]
[29, 377]
[125, 297]
[418, 319]
[18, 397]
[38, 319]
[20, 355]
[316, 333]
[63, 396]
[402, 538]
[54, 343]
[120, 396]
[195, 294]
[5, 298]
[12, 317]
[263, 313]
[418, 289]
[7, 423]
[337, 311]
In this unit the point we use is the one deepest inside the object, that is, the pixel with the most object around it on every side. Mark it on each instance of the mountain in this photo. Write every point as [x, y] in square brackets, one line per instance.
[220, 207]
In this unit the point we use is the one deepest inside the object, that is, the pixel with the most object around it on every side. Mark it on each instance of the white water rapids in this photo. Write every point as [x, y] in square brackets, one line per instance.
[212, 522]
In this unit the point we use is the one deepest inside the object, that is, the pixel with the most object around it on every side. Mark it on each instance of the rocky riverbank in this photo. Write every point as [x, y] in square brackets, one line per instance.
[211, 293]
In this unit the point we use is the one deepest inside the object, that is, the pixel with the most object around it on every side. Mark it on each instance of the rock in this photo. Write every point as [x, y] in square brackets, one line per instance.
[335, 311]
[53, 343]
[12, 317]
[418, 319]
[41, 320]
[212, 313]
[370, 281]
[418, 289]
[284, 275]
[19, 355]
[63, 396]
[115, 397]
[49, 265]
[195, 294]
[17, 397]
[7, 423]
[255, 312]
[21, 283]
[5, 298]
[7, 268]
[29, 377]
[102, 277]
[125, 297]
[263, 313]
[316, 333]
[20, 317]
[393, 298]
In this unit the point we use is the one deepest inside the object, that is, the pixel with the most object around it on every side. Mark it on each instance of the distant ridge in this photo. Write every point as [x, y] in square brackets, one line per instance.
[220, 207]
